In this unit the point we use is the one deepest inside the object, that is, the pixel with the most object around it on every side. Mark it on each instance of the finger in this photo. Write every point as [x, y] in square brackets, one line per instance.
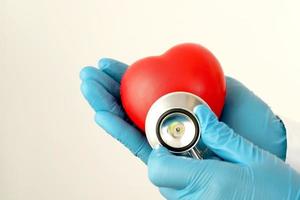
[113, 68]
[99, 98]
[247, 114]
[167, 170]
[91, 73]
[125, 133]
[224, 141]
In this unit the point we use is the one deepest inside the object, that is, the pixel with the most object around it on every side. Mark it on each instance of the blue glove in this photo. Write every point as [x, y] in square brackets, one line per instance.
[101, 88]
[246, 171]
[244, 112]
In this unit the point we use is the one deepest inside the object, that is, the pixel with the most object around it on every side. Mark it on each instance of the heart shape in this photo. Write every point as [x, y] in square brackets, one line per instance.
[185, 67]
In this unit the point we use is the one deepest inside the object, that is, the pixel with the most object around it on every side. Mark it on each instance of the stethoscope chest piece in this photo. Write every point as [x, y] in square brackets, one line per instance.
[171, 122]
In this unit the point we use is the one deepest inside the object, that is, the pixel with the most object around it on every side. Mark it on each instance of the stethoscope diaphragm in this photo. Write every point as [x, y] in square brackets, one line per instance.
[171, 122]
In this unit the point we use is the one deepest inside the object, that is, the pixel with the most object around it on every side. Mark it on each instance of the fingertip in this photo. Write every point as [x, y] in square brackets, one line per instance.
[115, 69]
[84, 87]
[86, 72]
[204, 114]
[104, 62]
[88, 89]
[98, 98]
[211, 128]
[201, 109]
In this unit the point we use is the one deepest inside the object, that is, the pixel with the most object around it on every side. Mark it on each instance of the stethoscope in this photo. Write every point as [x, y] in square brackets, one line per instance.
[171, 122]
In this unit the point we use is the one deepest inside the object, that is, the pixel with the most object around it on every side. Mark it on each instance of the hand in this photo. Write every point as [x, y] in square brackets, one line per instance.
[244, 112]
[252, 118]
[246, 172]
[101, 88]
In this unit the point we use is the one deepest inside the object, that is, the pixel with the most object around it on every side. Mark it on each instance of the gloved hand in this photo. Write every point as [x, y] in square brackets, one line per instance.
[101, 88]
[244, 112]
[246, 172]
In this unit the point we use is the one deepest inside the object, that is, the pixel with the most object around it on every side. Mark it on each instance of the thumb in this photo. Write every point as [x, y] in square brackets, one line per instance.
[223, 141]
[168, 170]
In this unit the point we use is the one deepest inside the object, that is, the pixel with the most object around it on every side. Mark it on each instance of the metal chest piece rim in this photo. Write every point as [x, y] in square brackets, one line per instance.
[171, 122]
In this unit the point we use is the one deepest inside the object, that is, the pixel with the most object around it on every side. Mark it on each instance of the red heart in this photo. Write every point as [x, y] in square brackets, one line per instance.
[185, 67]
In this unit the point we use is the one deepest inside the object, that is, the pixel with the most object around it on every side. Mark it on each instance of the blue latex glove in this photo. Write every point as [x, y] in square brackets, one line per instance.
[246, 172]
[244, 112]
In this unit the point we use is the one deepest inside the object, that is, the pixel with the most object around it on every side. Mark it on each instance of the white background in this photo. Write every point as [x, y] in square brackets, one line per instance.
[50, 147]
